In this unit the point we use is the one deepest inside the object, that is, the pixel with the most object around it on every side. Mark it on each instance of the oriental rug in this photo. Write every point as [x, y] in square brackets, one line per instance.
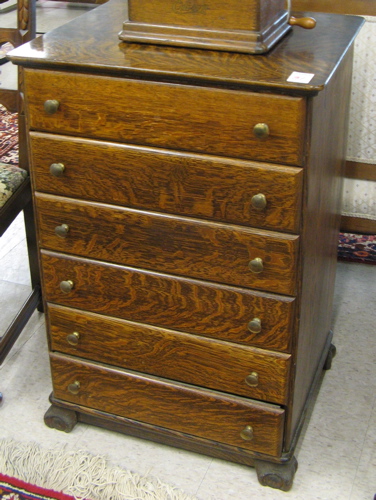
[30, 472]
[8, 137]
[14, 489]
[357, 248]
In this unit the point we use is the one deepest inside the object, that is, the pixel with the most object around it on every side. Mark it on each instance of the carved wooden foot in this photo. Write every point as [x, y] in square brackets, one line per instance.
[328, 362]
[60, 418]
[279, 476]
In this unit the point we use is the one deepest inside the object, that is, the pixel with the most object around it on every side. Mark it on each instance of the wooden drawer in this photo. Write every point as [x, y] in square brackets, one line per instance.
[167, 181]
[207, 414]
[182, 246]
[198, 307]
[191, 118]
[174, 355]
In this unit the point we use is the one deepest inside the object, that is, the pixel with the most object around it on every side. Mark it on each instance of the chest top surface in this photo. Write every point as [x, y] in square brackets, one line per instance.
[90, 43]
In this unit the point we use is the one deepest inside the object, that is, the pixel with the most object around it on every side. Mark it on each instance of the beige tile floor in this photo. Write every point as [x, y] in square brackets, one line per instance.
[337, 452]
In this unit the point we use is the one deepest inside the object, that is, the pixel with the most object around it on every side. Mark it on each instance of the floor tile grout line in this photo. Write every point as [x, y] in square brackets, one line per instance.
[15, 350]
[203, 479]
[12, 282]
[11, 249]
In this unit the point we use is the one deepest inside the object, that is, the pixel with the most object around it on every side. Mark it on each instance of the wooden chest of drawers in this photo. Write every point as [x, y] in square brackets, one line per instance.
[187, 205]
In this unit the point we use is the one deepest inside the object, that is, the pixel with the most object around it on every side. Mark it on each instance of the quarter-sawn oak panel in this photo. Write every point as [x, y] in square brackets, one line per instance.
[174, 355]
[196, 119]
[208, 414]
[192, 306]
[169, 181]
[180, 246]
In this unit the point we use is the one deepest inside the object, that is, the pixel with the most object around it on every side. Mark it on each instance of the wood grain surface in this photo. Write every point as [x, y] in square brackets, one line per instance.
[319, 244]
[169, 181]
[216, 15]
[357, 7]
[199, 307]
[184, 303]
[171, 244]
[174, 355]
[249, 26]
[190, 118]
[184, 408]
[97, 49]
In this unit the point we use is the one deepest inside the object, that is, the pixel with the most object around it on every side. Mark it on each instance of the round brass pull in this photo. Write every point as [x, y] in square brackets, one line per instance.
[256, 265]
[51, 106]
[73, 338]
[62, 230]
[254, 325]
[66, 286]
[252, 379]
[57, 169]
[307, 23]
[261, 130]
[258, 201]
[75, 387]
[247, 433]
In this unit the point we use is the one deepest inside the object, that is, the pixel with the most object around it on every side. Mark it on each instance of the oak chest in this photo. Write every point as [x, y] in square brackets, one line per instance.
[187, 205]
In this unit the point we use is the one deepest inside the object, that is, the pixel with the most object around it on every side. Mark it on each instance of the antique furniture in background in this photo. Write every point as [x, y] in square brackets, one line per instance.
[188, 206]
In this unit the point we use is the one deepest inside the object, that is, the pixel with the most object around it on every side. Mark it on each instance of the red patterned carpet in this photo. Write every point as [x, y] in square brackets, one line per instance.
[351, 247]
[357, 248]
[14, 489]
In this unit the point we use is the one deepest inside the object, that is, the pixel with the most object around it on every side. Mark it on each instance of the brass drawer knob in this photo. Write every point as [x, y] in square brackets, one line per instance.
[247, 433]
[62, 230]
[66, 286]
[252, 379]
[261, 130]
[254, 325]
[75, 387]
[57, 169]
[258, 201]
[51, 106]
[256, 265]
[73, 338]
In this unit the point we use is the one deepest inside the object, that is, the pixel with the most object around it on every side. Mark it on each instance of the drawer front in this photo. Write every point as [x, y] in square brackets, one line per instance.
[188, 247]
[203, 308]
[165, 181]
[226, 367]
[183, 117]
[183, 408]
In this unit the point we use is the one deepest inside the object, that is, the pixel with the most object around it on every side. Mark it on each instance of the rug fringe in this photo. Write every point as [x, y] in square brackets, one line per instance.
[80, 474]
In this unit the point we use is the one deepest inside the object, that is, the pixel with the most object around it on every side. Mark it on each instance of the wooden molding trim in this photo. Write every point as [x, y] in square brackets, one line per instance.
[357, 225]
[361, 171]
[355, 7]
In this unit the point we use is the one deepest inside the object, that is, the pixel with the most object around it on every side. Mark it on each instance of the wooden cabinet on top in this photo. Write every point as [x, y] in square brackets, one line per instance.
[187, 204]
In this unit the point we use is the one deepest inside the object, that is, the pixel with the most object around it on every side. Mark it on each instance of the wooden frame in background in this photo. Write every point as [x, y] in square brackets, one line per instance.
[354, 170]
[355, 7]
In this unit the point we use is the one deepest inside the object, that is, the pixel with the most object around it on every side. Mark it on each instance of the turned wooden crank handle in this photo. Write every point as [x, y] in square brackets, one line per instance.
[307, 23]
